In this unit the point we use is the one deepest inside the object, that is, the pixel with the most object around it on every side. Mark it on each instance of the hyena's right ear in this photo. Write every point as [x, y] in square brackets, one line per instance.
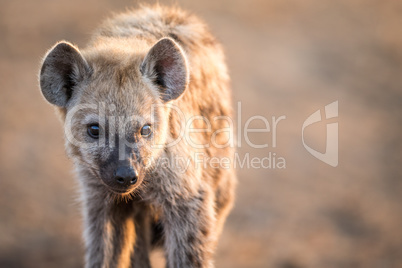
[62, 69]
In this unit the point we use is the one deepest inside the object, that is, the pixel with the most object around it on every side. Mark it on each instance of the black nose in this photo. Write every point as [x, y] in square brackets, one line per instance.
[125, 176]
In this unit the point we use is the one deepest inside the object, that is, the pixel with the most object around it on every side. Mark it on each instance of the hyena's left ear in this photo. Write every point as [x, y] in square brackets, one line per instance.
[166, 65]
[62, 69]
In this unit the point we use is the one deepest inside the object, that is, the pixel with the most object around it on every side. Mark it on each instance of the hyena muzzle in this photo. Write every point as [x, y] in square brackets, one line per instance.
[148, 124]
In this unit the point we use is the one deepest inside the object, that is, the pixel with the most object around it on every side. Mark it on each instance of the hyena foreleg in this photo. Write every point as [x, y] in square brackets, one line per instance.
[189, 232]
[140, 256]
[113, 235]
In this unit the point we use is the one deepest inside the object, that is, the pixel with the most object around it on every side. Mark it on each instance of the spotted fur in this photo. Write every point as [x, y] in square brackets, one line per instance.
[154, 57]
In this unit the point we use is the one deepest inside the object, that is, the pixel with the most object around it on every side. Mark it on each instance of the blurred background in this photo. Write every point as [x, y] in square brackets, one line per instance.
[286, 58]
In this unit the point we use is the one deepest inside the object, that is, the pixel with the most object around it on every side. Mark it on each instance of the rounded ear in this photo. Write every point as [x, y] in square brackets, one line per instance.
[62, 69]
[166, 65]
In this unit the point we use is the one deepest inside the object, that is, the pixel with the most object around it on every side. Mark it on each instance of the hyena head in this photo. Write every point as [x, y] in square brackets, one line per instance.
[115, 104]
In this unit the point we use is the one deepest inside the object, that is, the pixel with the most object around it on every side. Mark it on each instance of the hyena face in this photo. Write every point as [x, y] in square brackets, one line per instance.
[115, 106]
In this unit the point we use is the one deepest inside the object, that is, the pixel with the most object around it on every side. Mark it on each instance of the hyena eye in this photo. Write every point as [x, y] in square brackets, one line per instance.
[146, 130]
[93, 130]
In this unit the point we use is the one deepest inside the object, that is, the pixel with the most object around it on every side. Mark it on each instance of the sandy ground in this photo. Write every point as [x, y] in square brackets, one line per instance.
[286, 58]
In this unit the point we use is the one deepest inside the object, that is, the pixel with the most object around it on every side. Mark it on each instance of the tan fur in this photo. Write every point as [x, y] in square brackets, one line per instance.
[117, 71]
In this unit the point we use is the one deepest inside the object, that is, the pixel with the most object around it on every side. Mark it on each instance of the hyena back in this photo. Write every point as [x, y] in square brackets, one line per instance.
[126, 101]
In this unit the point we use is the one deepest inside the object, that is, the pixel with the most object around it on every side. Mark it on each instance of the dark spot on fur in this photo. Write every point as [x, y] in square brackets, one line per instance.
[157, 234]
[190, 238]
[193, 260]
[204, 231]
[174, 37]
[209, 41]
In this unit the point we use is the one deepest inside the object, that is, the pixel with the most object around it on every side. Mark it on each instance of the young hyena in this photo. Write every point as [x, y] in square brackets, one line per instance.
[147, 115]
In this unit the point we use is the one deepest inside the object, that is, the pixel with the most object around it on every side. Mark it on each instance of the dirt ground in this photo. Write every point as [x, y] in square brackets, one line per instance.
[286, 58]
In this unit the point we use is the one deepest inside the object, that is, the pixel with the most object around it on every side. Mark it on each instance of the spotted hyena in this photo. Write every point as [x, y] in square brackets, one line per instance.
[147, 117]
